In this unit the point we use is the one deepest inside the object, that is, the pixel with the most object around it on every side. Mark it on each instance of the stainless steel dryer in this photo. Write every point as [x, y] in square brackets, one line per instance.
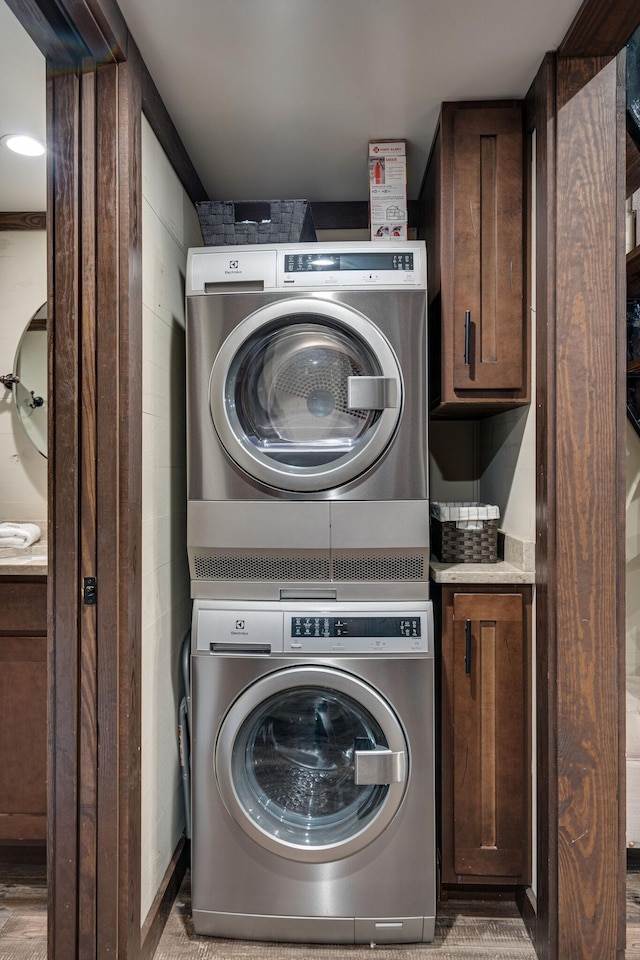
[307, 420]
[313, 771]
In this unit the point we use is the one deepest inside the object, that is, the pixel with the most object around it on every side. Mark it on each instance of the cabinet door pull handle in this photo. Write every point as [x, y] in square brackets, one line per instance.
[467, 337]
[467, 652]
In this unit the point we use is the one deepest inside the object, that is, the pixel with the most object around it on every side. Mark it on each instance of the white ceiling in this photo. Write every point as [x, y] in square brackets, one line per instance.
[279, 98]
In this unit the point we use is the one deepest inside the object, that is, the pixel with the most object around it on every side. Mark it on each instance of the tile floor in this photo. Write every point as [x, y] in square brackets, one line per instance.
[464, 931]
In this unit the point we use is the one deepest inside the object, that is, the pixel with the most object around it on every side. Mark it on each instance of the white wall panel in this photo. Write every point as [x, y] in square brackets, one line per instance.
[169, 227]
[508, 469]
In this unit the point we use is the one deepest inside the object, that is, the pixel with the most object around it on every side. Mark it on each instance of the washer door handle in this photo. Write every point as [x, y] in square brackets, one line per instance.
[380, 766]
[372, 393]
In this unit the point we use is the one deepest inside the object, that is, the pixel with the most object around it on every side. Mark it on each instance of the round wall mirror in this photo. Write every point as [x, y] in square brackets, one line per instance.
[31, 390]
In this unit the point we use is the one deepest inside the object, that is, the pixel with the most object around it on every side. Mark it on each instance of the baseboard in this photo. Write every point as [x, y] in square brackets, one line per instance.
[160, 909]
[528, 906]
[30, 853]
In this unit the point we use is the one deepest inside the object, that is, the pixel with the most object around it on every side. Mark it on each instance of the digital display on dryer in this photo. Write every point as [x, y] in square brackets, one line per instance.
[340, 262]
[353, 627]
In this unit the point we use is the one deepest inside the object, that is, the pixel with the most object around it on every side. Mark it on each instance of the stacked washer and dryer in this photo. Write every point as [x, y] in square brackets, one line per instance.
[312, 685]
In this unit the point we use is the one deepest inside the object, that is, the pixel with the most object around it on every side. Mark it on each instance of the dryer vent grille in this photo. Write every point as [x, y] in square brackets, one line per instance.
[256, 566]
[344, 565]
[363, 565]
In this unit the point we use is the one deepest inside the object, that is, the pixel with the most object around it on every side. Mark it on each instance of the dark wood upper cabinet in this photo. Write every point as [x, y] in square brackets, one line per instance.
[471, 213]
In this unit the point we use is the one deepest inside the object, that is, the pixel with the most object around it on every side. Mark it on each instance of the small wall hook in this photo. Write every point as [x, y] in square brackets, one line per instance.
[8, 380]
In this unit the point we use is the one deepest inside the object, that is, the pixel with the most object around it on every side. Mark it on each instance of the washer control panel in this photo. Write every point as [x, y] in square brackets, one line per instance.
[298, 629]
[313, 633]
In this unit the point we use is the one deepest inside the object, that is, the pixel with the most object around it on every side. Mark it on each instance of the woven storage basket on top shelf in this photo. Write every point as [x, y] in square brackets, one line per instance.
[464, 532]
[229, 222]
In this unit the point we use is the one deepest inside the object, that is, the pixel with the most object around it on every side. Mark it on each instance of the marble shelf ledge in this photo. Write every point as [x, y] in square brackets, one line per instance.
[500, 572]
[24, 561]
[517, 567]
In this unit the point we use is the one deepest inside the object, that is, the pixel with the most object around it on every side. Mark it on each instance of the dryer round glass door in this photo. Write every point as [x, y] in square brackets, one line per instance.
[306, 394]
[312, 763]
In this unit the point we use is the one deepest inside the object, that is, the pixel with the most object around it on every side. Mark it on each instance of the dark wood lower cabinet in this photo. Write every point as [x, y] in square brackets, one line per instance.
[23, 695]
[485, 781]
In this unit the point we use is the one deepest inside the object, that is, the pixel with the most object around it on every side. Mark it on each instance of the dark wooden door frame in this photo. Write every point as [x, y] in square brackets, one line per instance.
[94, 253]
[96, 82]
[95, 291]
[578, 105]
[580, 500]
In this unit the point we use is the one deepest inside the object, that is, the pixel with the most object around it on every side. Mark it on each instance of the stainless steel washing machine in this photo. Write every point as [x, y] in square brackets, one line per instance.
[307, 420]
[313, 771]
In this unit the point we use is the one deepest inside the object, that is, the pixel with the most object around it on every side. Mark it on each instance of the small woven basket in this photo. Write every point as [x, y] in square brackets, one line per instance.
[227, 222]
[452, 541]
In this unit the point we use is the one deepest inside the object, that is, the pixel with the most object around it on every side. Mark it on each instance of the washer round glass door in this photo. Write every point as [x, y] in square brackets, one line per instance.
[305, 394]
[311, 763]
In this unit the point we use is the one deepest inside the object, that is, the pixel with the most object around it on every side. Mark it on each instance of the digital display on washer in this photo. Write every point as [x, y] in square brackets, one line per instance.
[355, 627]
[341, 262]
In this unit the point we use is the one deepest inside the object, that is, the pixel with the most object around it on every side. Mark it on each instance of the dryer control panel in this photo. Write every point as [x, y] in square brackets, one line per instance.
[335, 267]
[347, 265]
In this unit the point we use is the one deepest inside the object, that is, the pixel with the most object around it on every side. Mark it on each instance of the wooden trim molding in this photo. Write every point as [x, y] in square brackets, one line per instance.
[601, 28]
[70, 31]
[542, 101]
[23, 221]
[589, 591]
[580, 572]
[127, 519]
[63, 129]
[51, 30]
[164, 900]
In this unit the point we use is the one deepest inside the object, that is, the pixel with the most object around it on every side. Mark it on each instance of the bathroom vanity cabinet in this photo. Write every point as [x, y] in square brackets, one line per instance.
[23, 695]
[485, 735]
[471, 213]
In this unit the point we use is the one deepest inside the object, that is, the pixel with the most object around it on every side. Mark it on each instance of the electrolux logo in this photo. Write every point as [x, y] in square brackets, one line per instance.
[240, 629]
[234, 267]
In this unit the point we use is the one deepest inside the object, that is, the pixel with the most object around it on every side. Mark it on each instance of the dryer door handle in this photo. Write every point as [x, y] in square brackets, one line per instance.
[380, 766]
[372, 393]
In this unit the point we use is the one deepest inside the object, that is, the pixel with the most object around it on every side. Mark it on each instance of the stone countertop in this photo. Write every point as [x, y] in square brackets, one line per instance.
[24, 561]
[518, 565]
[488, 573]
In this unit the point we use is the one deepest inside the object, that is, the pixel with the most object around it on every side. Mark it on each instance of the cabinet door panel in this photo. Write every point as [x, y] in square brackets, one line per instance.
[23, 736]
[487, 250]
[489, 779]
[24, 607]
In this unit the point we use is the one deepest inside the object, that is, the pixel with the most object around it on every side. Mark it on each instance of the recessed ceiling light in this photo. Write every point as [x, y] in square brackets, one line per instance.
[27, 146]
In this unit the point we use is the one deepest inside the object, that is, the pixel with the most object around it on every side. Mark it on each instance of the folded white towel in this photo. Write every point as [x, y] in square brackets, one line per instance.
[19, 534]
[464, 513]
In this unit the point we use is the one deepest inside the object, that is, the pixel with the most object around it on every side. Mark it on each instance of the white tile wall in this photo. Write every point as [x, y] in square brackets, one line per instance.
[490, 461]
[169, 227]
[508, 469]
[453, 460]
[23, 290]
